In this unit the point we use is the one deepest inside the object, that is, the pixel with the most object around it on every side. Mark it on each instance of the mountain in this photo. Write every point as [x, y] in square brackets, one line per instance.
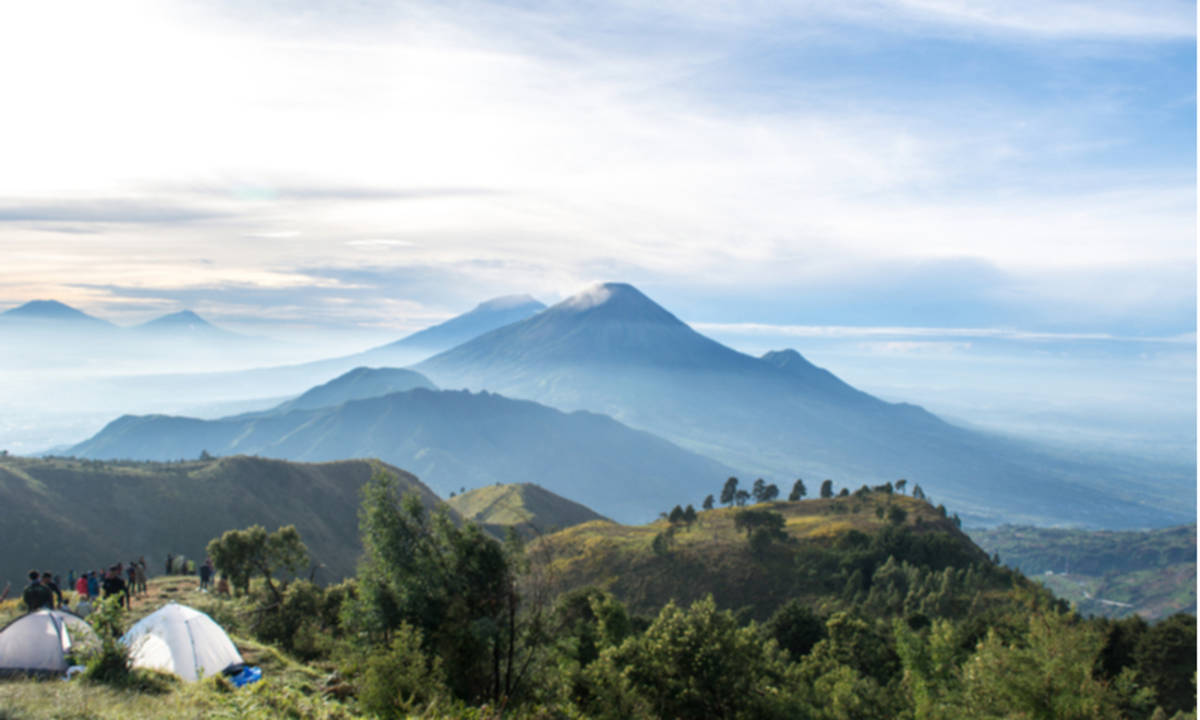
[451, 440]
[359, 383]
[184, 323]
[283, 380]
[59, 514]
[529, 509]
[611, 349]
[486, 316]
[47, 312]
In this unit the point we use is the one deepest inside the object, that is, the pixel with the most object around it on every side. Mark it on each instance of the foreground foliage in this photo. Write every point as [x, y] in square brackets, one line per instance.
[886, 617]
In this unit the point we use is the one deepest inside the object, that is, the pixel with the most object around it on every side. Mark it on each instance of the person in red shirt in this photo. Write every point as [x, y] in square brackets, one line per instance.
[81, 588]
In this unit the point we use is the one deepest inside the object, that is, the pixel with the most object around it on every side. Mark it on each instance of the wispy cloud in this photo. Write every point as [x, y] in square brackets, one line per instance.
[849, 331]
[103, 211]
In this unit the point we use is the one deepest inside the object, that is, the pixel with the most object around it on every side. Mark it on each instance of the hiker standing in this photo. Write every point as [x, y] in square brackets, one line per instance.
[93, 584]
[37, 595]
[114, 585]
[48, 581]
[81, 586]
[205, 573]
[141, 574]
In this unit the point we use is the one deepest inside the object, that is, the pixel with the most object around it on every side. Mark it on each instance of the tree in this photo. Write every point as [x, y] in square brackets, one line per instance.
[239, 554]
[676, 515]
[689, 515]
[900, 485]
[827, 489]
[796, 628]
[453, 584]
[693, 663]
[708, 503]
[759, 491]
[918, 493]
[798, 491]
[729, 492]
[740, 497]
[897, 515]
[771, 492]
[751, 520]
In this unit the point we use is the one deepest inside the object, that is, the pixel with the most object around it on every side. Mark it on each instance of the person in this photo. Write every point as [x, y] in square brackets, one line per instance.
[4, 592]
[81, 586]
[48, 581]
[141, 574]
[93, 584]
[114, 585]
[71, 578]
[222, 586]
[131, 578]
[205, 573]
[83, 608]
[37, 595]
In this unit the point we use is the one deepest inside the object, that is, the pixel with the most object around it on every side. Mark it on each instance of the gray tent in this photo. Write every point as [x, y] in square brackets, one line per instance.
[38, 643]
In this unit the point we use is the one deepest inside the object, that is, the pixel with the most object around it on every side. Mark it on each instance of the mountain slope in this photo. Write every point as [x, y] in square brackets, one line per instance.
[59, 514]
[450, 440]
[611, 349]
[1150, 573]
[184, 324]
[826, 543]
[51, 312]
[359, 383]
[529, 509]
[484, 317]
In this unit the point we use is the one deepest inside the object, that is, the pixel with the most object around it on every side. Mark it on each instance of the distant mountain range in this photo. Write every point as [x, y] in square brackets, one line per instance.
[451, 440]
[611, 349]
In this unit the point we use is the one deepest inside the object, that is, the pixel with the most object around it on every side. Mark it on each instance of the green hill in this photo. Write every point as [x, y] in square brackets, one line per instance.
[1150, 573]
[530, 509]
[834, 550]
[57, 514]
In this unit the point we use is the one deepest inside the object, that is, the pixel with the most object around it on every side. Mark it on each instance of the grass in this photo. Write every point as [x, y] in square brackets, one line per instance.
[714, 556]
[289, 688]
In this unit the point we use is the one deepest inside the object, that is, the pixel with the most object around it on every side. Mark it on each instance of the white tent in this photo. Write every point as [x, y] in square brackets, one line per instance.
[181, 640]
[40, 641]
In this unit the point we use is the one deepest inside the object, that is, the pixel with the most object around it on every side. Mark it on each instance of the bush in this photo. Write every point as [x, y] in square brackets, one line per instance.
[399, 680]
[110, 665]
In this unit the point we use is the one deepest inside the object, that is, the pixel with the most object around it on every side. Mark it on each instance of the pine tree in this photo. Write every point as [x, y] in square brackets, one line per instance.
[827, 489]
[759, 490]
[708, 503]
[729, 492]
[798, 491]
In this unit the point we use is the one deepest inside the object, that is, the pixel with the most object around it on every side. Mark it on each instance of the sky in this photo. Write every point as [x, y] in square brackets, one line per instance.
[922, 172]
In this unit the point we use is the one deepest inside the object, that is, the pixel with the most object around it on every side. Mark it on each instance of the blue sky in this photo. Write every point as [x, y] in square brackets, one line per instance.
[986, 206]
[1026, 165]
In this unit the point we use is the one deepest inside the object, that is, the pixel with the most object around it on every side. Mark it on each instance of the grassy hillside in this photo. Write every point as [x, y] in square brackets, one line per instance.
[528, 508]
[827, 541]
[57, 514]
[1150, 573]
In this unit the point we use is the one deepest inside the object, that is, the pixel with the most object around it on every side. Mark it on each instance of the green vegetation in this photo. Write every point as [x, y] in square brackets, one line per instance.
[1115, 574]
[61, 513]
[529, 509]
[852, 610]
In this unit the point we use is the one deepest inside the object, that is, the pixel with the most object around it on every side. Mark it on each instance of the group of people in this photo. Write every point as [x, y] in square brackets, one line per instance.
[124, 581]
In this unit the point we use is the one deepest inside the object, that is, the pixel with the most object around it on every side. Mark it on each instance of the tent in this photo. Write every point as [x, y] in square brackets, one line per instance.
[38, 643]
[180, 640]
